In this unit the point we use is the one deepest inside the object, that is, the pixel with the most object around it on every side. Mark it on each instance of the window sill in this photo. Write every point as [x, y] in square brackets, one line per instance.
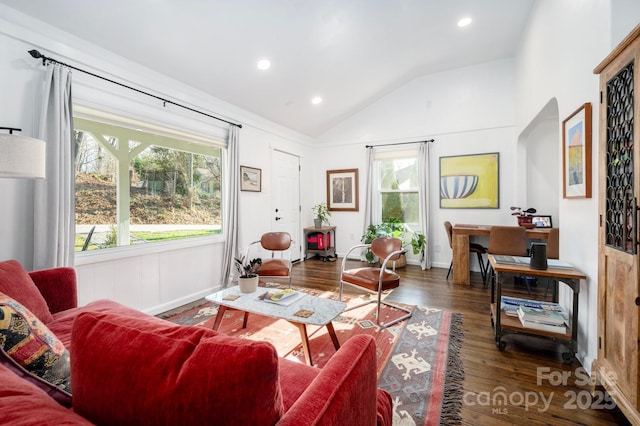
[127, 252]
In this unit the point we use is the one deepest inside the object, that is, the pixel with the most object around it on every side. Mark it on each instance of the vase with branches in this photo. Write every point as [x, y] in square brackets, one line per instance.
[523, 215]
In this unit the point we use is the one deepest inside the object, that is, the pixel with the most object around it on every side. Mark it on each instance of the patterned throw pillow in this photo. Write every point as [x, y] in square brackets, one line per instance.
[32, 345]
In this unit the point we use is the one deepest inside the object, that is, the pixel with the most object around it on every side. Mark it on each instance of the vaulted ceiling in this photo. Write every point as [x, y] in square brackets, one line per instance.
[348, 52]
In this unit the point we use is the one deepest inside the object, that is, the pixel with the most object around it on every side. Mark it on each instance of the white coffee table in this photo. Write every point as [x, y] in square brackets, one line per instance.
[324, 311]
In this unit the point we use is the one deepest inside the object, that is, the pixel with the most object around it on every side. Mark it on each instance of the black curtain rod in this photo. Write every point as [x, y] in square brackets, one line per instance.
[37, 55]
[399, 143]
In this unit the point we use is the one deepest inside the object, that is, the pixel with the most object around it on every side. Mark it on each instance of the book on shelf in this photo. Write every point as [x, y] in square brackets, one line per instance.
[535, 325]
[545, 316]
[282, 297]
[510, 306]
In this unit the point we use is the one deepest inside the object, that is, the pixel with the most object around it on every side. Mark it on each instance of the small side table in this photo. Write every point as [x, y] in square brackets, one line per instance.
[504, 324]
[328, 250]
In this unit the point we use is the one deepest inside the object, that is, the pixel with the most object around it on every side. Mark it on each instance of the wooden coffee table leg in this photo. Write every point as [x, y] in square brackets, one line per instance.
[245, 319]
[219, 316]
[332, 333]
[305, 342]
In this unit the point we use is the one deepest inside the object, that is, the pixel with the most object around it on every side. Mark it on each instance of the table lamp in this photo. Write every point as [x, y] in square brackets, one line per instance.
[21, 156]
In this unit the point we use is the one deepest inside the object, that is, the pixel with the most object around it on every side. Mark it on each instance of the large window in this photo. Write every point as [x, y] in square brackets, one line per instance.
[398, 192]
[138, 186]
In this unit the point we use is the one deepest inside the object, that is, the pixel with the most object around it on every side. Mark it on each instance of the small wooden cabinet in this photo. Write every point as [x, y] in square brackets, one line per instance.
[616, 366]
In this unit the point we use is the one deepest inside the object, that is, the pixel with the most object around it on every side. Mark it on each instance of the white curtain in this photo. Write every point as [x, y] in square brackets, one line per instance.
[231, 212]
[368, 203]
[423, 175]
[54, 216]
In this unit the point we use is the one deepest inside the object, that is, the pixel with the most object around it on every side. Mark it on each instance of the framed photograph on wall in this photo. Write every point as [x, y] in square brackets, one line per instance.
[470, 181]
[576, 154]
[250, 179]
[342, 190]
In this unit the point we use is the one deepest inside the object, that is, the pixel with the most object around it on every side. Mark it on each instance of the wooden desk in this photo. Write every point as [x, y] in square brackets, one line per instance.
[460, 242]
[509, 325]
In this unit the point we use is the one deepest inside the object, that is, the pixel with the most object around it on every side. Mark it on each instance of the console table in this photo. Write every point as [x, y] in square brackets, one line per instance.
[461, 234]
[509, 325]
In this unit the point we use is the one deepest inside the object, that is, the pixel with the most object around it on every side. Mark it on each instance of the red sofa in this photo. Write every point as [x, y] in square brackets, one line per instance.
[131, 368]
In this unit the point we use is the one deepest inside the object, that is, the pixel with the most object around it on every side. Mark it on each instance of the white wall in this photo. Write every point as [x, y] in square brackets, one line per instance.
[151, 278]
[467, 111]
[539, 161]
[255, 210]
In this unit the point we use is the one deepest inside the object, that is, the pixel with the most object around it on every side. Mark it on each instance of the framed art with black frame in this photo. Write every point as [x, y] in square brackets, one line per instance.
[542, 221]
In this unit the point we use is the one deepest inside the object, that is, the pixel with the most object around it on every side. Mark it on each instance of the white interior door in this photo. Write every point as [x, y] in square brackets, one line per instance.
[285, 208]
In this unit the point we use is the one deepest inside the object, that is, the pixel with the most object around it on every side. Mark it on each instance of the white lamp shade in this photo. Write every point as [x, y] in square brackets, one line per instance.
[22, 157]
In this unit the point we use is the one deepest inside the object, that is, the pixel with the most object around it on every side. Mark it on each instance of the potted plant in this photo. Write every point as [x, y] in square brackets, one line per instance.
[322, 214]
[394, 228]
[248, 279]
[524, 216]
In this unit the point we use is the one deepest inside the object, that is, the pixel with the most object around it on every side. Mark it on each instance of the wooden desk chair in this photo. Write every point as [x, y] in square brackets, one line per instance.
[277, 245]
[376, 280]
[478, 249]
[506, 240]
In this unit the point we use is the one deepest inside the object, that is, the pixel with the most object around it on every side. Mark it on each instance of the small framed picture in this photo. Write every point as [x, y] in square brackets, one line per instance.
[250, 179]
[542, 221]
[576, 154]
[342, 190]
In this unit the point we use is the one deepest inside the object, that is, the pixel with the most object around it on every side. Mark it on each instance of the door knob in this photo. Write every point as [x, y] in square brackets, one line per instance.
[278, 218]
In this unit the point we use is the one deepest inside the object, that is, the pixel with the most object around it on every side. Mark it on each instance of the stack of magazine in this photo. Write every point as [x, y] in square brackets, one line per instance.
[282, 297]
[542, 319]
[536, 314]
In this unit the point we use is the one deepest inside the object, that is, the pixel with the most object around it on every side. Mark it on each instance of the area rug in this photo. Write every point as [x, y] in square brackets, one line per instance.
[418, 359]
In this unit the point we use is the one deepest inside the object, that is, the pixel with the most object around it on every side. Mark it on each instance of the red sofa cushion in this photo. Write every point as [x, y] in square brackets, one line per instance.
[62, 322]
[23, 404]
[16, 283]
[343, 392]
[129, 370]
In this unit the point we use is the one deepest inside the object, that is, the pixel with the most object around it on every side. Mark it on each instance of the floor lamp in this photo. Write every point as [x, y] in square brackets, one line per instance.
[21, 156]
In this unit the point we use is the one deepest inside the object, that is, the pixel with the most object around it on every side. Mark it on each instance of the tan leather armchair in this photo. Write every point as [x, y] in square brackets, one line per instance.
[373, 279]
[277, 245]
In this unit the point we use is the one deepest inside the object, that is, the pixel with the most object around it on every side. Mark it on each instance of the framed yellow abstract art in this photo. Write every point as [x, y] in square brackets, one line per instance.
[576, 153]
[470, 181]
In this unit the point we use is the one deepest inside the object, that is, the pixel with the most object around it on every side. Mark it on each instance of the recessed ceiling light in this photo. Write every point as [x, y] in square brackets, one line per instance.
[464, 22]
[316, 100]
[264, 64]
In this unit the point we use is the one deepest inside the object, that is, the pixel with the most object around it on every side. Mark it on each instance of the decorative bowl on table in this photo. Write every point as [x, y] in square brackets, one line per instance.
[526, 222]
[457, 186]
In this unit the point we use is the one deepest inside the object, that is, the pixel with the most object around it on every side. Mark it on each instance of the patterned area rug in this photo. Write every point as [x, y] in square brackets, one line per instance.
[418, 359]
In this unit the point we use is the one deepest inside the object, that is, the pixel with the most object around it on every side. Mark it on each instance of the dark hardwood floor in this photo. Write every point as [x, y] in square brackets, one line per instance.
[524, 384]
